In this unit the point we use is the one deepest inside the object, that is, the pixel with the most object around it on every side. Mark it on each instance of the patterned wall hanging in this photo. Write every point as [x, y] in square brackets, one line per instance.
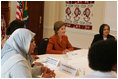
[78, 14]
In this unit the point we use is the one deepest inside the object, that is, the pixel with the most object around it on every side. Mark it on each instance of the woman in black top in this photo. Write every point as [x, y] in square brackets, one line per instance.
[104, 34]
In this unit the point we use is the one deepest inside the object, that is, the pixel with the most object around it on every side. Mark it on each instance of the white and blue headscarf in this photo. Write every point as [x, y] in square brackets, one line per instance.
[19, 41]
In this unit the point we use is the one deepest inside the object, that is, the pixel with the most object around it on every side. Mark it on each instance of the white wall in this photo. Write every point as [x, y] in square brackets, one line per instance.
[111, 14]
[54, 11]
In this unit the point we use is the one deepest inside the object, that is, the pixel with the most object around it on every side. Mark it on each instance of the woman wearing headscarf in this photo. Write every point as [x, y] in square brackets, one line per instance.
[15, 56]
[59, 43]
[15, 24]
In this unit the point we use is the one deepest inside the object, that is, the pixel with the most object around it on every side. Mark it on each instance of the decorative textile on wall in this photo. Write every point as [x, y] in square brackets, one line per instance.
[78, 14]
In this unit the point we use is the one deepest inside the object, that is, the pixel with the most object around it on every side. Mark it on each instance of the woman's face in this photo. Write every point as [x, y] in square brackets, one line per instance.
[62, 31]
[106, 30]
[32, 46]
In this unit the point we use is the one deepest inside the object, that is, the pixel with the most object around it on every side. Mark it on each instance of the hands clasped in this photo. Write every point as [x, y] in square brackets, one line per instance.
[46, 72]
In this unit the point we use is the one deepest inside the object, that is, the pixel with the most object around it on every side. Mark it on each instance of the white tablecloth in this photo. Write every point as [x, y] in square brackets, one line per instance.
[76, 58]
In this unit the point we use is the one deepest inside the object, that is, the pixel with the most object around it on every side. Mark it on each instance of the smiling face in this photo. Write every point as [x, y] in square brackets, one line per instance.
[32, 46]
[62, 31]
[106, 30]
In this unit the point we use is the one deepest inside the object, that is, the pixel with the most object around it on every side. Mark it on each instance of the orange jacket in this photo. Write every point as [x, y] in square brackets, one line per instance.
[55, 46]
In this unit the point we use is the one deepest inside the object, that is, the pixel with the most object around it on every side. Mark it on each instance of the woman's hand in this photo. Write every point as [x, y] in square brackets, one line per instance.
[35, 57]
[65, 51]
[47, 73]
[38, 64]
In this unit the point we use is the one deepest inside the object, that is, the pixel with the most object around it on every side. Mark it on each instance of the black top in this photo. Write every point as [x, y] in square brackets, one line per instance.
[98, 37]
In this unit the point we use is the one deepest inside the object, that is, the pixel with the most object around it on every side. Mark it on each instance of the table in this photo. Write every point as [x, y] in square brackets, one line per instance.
[76, 58]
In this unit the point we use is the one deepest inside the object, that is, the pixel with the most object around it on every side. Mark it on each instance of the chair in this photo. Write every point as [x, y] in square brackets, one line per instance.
[42, 46]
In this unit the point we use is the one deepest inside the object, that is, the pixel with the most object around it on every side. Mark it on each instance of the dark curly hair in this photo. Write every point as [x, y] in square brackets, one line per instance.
[102, 28]
[102, 55]
[14, 25]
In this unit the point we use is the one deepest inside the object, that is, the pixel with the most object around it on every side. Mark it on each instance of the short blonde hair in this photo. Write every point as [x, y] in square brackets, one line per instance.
[58, 25]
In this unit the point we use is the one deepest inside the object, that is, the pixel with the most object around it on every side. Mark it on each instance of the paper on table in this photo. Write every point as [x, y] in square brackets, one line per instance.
[68, 69]
[50, 62]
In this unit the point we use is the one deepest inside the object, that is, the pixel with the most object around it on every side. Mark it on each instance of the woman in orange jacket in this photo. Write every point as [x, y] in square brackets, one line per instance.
[59, 43]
